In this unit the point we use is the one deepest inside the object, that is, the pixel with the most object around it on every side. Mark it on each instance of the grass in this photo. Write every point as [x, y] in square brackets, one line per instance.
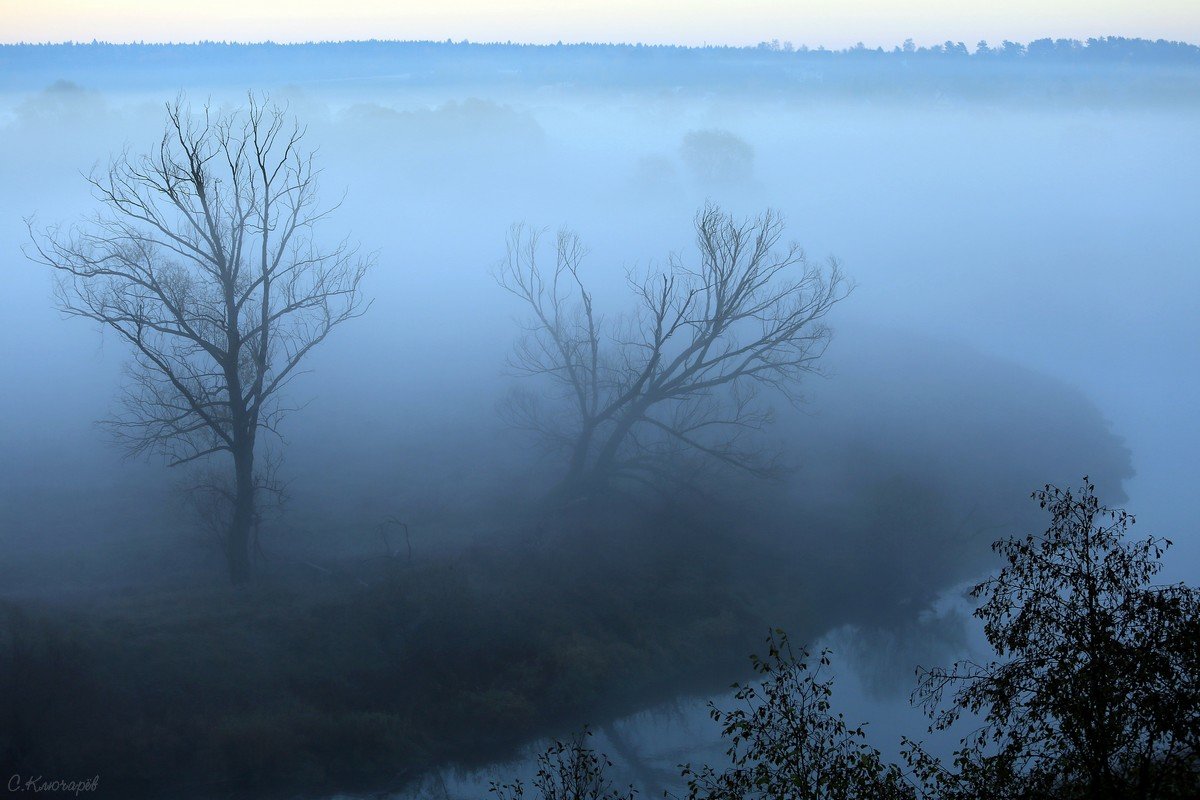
[368, 674]
[296, 688]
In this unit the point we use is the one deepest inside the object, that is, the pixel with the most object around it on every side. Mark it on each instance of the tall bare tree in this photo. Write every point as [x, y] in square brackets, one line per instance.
[679, 374]
[204, 258]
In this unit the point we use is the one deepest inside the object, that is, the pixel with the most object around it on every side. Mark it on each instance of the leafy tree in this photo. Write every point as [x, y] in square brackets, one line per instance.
[569, 770]
[717, 158]
[1096, 689]
[786, 742]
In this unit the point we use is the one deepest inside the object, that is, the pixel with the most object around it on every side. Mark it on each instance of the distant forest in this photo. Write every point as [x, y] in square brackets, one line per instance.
[1101, 70]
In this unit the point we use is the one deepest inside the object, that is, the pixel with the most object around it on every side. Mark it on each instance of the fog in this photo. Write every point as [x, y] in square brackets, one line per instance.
[1025, 272]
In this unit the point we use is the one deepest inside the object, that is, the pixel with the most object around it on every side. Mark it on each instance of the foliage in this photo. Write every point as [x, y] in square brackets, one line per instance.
[1095, 690]
[568, 770]
[786, 742]
[717, 157]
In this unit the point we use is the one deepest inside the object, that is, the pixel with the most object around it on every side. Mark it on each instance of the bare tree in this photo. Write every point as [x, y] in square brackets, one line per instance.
[681, 373]
[204, 259]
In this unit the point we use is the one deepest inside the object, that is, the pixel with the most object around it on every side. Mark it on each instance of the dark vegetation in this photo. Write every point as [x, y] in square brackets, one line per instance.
[365, 680]
[786, 741]
[367, 673]
[1093, 692]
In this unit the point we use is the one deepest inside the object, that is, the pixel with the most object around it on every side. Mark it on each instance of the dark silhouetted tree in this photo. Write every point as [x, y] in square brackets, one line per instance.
[569, 770]
[681, 373]
[787, 743]
[1096, 689]
[204, 260]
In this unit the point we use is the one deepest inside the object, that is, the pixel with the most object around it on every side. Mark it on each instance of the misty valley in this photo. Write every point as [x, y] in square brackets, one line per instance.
[444, 420]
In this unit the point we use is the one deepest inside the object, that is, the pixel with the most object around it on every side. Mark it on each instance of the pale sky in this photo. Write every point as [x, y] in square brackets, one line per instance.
[833, 23]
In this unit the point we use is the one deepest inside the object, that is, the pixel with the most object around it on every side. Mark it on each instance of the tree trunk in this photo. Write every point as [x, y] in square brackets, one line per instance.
[602, 469]
[237, 545]
[573, 483]
[584, 479]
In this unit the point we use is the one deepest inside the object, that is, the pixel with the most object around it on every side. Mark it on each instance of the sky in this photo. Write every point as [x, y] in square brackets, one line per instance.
[832, 23]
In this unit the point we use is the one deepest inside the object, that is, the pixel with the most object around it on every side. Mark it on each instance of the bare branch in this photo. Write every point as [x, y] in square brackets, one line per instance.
[204, 259]
[678, 374]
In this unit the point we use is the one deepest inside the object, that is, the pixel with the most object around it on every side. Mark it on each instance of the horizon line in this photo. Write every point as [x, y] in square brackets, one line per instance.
[801, 47]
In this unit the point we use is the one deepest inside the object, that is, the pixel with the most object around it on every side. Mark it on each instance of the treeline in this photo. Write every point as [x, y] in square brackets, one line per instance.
[1094, 50]
[1102, 50]
[1102, 69]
